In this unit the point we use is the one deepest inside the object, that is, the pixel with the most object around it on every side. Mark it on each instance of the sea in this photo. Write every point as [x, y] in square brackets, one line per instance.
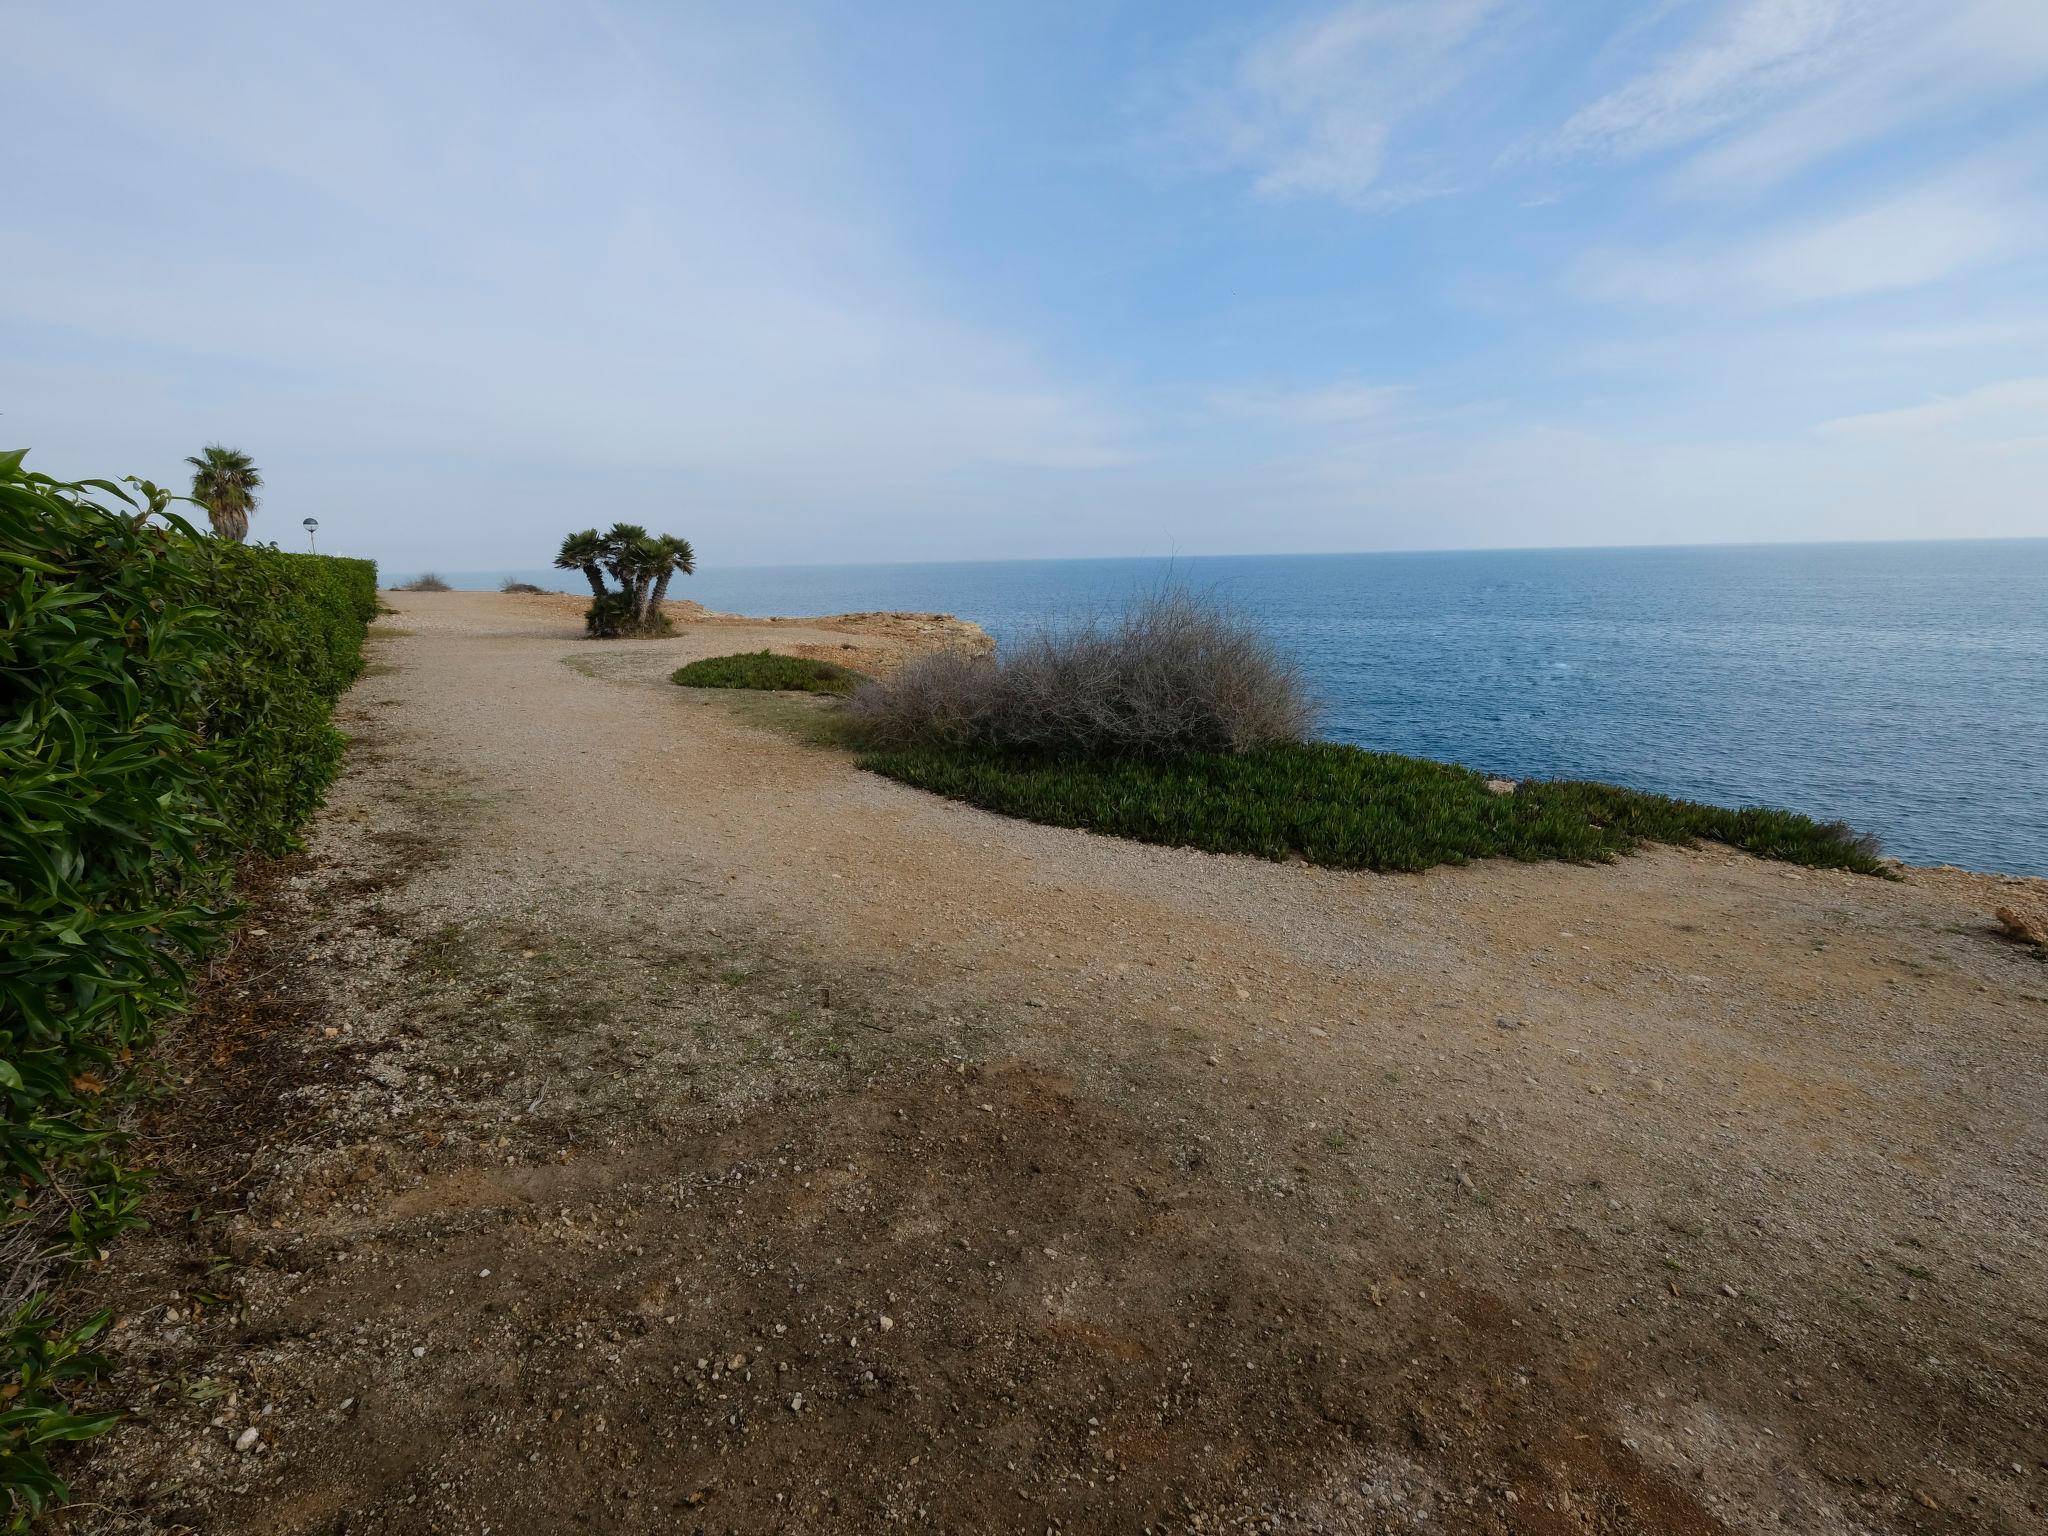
[1899, 687]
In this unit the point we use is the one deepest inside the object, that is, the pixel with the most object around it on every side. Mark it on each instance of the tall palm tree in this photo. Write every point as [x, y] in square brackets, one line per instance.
[225, 482]
[675, 555]
[583, 552]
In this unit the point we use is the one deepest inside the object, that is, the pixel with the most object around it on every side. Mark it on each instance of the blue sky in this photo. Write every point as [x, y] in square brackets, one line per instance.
[822, 282]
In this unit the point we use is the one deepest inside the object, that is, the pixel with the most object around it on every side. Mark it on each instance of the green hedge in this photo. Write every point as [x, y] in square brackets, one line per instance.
[165, 703]
[293, 630]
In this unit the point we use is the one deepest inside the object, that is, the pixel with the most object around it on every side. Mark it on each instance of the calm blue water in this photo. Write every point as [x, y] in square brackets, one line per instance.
[1900, 687]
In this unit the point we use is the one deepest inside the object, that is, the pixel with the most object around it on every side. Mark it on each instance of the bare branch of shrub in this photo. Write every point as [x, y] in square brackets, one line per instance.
[1175, 672]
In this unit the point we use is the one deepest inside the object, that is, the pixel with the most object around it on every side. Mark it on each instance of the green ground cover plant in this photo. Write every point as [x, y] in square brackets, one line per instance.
[1352, 809]
[165, 711]
[766, 670]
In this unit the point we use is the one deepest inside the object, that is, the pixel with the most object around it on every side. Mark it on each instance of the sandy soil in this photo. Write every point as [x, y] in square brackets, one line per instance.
[627, 1117]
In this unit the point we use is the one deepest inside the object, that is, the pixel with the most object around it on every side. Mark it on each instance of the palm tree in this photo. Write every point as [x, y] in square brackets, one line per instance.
[674, 555]
[648, 561]
[629, 556]
[623, 547]
[225, 482]
[640, 562]
[583, 552]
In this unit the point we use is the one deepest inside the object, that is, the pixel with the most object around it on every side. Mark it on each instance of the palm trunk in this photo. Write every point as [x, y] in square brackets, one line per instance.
[595, 577]
[230, 523]
[660, 592]
[625, 580]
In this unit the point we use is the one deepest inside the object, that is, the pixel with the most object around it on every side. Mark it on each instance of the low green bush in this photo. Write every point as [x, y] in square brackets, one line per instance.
[767, 670]
[1352, 809]
[165, 705]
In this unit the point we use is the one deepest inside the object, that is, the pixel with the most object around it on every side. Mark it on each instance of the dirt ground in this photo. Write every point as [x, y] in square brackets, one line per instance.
[626, 1116]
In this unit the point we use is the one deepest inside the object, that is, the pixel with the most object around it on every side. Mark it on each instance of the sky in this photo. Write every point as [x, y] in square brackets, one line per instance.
[890, 281]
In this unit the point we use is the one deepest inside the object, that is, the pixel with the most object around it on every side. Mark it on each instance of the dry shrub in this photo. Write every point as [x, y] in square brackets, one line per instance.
[1175, 672]
[425, 582]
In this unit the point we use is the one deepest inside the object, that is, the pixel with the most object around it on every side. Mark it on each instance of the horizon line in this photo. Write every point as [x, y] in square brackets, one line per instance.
[1310, 554]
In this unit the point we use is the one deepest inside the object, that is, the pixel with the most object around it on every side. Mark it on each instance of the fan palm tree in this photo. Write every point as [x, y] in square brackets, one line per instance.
[674, 555]
[583, 552]
[624, 547]
[629, 556]
[225, 482]
[640, 562]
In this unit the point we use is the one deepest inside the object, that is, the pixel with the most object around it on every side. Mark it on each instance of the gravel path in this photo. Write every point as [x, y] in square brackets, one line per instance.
[627, 1116]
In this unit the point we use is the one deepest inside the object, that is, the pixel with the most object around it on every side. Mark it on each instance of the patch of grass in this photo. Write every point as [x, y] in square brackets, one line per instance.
[815, 719]
[768, 671]
[1351, 809]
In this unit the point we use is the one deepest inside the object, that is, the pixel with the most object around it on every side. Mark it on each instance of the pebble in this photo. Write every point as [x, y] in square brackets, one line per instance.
[248, 1439]
[887, 1322]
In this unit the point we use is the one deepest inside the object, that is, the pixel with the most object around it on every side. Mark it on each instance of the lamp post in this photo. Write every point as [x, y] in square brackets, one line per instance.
[312, 526]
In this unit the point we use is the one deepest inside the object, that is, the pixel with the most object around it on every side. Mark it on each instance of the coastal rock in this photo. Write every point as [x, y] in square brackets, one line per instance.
[2024, 926]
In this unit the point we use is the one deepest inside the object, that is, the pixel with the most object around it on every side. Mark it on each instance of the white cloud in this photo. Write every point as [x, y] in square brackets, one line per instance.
[1967, 220]
[1315, 108]
[2012, 410]
[1552, 484]
[1768, 88]
[2000, 331]
[1753, 50]
[1938, 61]
[1919, 237]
